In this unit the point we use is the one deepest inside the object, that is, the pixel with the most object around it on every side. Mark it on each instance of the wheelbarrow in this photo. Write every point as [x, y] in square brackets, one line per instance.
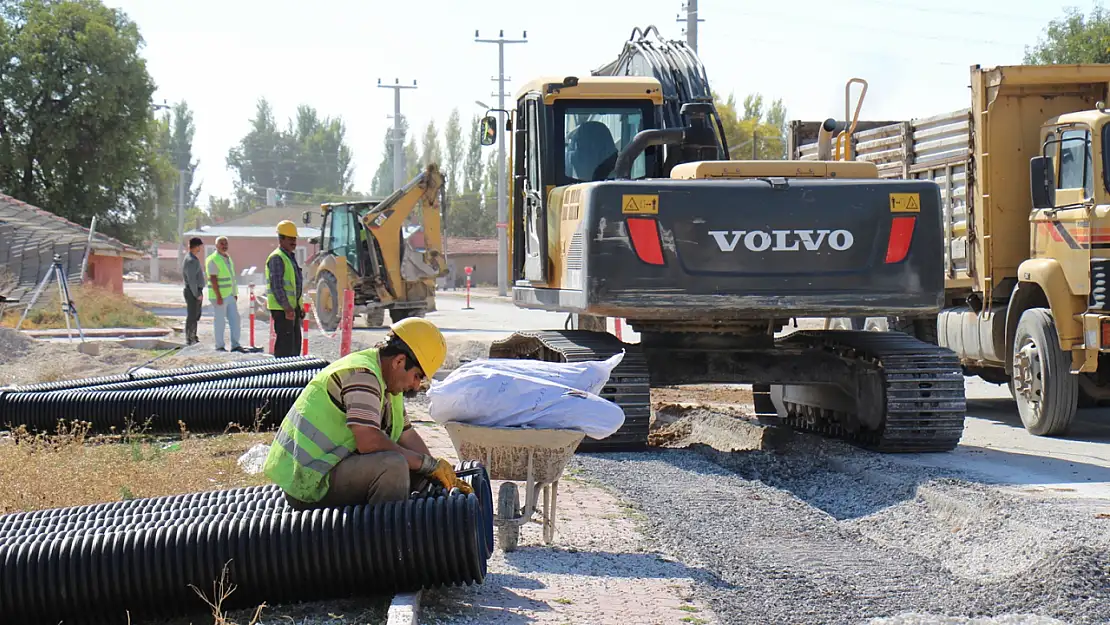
[533, 455]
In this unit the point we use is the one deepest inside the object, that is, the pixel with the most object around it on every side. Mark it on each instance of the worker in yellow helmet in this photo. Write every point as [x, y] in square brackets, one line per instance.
[347, 439]
[285, 284]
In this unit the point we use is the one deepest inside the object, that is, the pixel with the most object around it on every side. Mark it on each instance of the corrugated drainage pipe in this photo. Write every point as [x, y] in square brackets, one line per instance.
[285, 379]
[272, 555]
[291, 363]
[191, 379]
[202, 410]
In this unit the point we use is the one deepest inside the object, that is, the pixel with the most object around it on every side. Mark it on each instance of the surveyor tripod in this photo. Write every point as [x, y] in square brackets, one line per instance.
[68, 308]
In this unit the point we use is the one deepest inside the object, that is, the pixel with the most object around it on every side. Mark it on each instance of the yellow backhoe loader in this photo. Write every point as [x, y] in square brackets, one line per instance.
[363, 247]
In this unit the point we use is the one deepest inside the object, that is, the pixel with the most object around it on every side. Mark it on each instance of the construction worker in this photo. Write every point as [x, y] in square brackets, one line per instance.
[286, 285]
[347, 439]
[223, 292]
[193, 274]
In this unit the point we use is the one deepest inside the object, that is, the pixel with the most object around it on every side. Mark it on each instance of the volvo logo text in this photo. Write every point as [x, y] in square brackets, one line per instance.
[782, 240]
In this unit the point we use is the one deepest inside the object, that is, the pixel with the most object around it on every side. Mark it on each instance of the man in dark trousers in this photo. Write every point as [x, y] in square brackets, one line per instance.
[193, 271]
[286, 284]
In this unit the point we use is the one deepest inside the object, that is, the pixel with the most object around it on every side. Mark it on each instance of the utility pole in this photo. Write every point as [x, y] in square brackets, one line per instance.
[396, 137]
[691, 20]
[502, 205]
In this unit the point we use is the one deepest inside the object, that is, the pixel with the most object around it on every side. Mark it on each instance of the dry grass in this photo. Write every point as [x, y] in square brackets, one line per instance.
[71, 468]
[96, 307]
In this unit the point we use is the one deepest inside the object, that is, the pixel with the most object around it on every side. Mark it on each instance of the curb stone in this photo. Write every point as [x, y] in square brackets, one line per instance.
[404, 609]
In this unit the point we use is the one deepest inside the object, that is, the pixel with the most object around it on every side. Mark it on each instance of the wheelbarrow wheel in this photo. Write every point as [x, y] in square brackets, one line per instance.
[508, 509]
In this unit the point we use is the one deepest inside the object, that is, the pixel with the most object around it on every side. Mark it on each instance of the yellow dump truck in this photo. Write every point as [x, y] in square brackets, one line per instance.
[1025, 183]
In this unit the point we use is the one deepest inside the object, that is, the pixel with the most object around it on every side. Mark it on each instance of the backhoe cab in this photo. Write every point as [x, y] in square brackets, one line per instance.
[364, 247]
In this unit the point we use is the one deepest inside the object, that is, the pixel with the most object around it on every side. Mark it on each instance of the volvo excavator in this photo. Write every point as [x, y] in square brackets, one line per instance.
[624, 203]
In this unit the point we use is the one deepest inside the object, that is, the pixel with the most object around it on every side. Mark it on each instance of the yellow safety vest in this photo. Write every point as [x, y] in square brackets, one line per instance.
[289, 282]
[314, 436]
[225, 275]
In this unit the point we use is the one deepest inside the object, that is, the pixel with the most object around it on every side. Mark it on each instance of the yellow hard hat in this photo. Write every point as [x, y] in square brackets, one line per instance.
[425, 340]
[287, 229]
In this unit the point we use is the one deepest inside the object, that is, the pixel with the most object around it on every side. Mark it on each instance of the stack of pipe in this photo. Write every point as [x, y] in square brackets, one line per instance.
[206, 398]
[105, 563]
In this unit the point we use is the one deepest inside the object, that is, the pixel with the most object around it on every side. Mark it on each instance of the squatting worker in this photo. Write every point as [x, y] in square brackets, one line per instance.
[285, 286]
[347, 439]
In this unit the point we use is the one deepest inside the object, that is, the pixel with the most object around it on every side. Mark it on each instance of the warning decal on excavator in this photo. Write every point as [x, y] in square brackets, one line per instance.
[905, 202]
[640, 204]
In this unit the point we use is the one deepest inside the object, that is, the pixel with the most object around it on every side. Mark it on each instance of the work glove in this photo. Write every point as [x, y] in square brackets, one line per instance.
[444, 473]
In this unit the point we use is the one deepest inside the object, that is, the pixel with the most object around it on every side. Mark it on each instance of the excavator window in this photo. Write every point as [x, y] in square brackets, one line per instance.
[593, 135]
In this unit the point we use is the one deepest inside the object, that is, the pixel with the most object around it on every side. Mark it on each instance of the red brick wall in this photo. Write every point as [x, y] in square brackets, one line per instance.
[106, 272]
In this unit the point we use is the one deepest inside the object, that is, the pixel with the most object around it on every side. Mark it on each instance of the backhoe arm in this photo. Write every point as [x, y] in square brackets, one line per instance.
[386, 219]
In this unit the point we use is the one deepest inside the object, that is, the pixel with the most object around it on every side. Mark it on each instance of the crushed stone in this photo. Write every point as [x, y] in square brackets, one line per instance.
[829, 534]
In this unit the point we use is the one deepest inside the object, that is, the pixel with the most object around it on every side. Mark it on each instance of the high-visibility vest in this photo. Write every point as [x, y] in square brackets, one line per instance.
[289, 282]
[225, 275]
[314, 436]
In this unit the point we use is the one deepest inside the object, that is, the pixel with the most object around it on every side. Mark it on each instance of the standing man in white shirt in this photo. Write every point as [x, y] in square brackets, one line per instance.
[223, 292]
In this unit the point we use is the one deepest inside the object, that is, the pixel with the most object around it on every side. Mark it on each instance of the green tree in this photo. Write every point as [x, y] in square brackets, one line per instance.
[382, 184]
[78, 135]
[430, 152]
[310, 159]
[767, 130]
[454, 148]
[1073, 39]
[181, 132]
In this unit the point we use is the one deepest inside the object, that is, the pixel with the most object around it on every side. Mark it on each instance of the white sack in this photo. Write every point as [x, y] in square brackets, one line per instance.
[590, 376]
[505, 393]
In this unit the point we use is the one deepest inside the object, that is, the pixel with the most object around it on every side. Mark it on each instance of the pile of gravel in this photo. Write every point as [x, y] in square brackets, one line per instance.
[13, 345]
[822, 536]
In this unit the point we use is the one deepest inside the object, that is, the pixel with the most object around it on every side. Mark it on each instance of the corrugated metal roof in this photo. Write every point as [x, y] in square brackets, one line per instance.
[30, 237]
[470, 245]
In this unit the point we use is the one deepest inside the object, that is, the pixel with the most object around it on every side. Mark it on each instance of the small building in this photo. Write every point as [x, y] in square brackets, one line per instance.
[30, 237]
[251, 238]
[476, 252]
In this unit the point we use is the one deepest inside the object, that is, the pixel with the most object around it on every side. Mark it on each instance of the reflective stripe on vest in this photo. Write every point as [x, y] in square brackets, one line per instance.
[225, 275]
[289, 282]
[314, 436]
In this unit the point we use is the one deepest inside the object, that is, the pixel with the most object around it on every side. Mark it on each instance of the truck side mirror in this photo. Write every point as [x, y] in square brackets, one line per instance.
[1042, 182]
[306, 217]
[489, 130]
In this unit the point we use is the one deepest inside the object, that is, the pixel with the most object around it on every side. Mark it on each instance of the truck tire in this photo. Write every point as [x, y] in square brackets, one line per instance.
[1046, 392]
[327, 288]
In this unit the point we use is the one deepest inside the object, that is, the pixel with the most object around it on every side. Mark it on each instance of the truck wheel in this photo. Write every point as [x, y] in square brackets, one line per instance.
[397, 314]
[1046, 391]
[327, 301]
[375, 318]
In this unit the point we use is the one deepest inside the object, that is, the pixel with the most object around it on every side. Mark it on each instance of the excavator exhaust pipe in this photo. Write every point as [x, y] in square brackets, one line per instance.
[825, 140]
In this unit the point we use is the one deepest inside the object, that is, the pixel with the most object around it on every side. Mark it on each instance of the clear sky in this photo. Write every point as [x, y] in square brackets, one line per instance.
[222, 55]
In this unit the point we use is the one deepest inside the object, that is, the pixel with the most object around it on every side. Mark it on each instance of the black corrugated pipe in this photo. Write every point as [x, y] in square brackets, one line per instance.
[191, 379]
[202, 410]
[273, 556]
[291, 363]
[202, 498]
[285, 379]
[151, 517]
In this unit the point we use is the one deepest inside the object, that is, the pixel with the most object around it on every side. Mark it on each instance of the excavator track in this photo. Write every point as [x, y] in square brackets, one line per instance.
[923, 392]
[628, 386]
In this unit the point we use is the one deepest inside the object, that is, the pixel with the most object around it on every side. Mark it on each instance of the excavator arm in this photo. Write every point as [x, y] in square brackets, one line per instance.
[385, 220]
[680, 74]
